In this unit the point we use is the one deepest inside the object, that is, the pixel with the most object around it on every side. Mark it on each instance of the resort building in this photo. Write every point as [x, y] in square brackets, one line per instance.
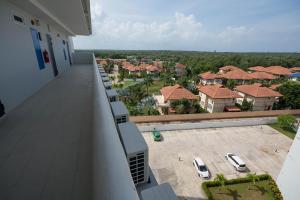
[240, 76]
[262, 98]
[180, 69]
[217, 98]
[170, 94]
[208, 78]
[275, 70]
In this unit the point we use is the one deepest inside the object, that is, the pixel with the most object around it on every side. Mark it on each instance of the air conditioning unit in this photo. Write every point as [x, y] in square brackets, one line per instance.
[105, 79]
[136, 150]
[112, 95]
[120, 112]
[103, 74]
[101, 70]
[107, 85]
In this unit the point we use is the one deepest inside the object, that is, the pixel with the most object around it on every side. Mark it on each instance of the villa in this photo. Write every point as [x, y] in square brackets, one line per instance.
[217, 98]
[170, 94]
[208, 78]
[262, 98]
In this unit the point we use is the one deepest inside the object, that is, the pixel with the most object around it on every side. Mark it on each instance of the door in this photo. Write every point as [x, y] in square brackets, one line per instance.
[37, 47]
[69, 53]
[51, 53]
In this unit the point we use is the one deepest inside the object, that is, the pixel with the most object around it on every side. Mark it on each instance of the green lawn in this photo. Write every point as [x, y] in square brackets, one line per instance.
[290, 134]
[155, 87]
[260, 191]
[128, 83]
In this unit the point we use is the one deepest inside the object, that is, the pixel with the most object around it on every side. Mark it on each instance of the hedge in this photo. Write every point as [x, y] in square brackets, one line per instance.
[276, 192]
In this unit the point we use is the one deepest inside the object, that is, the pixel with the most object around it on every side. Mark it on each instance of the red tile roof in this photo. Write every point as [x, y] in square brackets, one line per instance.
[218, 92]
[209, 75]
[176, 92]
[258, 68]
[295, 69]
[181, 66]
[152, 68]
[257, 90]
[262, 75]
[275, 86]
[237, 75]
[229, 68]
[278, 70]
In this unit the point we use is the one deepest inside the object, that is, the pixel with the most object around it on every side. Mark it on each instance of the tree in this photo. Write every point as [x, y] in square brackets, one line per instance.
[220, 178]
[291, 95]
[148, 81]
[230, 84]
[286, 122]
[253, 177]
[246, 106]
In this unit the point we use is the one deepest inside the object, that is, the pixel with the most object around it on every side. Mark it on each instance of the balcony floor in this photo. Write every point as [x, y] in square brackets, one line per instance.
[46, 142]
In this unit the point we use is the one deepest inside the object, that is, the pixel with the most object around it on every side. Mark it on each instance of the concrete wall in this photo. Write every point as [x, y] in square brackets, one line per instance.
[288, 179]
[20, 76]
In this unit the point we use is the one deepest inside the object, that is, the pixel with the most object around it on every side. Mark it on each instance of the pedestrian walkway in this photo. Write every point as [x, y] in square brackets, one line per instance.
[46, 142]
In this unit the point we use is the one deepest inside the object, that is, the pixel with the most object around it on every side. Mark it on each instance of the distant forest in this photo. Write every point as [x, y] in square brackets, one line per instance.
[204, 61]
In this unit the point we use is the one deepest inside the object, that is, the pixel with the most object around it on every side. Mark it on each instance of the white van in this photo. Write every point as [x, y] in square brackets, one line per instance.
[237, 163]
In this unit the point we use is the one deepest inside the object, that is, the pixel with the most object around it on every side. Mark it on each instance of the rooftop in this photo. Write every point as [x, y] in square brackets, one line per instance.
[177, 92]
[262, 75]
[276, 70]
[229, 68]
[209, 75]
[257, 90]
[237, 75]
[218, 92]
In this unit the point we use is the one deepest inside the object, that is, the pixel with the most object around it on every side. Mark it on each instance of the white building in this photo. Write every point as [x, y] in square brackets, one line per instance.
[36, 45]
[288, 178]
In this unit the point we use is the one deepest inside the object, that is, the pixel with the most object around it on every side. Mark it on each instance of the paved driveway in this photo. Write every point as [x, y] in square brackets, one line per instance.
[254, 144]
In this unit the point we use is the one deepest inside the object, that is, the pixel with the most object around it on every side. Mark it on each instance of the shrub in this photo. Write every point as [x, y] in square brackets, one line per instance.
[275, 190]
[286, 121]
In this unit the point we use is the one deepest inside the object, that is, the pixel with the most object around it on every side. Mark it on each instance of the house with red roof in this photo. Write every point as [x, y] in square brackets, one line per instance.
[170, 94]
[208, 78]
[295, 69]
[239, 75]
[275, 70]
[152, 69]
[262, 76]
[180, 69]
[217, 98]
[262, 98]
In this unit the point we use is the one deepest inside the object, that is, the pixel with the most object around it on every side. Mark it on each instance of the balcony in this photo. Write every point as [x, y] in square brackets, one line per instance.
[62, 142]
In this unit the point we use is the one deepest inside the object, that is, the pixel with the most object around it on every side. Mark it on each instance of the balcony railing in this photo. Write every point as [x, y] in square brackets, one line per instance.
[111, 175]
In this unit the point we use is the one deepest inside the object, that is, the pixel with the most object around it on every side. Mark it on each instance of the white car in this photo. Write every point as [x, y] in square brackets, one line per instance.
[237, 163]
[201, 168]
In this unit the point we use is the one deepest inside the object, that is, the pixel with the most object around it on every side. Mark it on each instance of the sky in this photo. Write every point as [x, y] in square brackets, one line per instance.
[194, 25]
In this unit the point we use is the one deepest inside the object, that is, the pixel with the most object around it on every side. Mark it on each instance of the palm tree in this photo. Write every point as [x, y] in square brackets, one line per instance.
[253, 177]
[220, 178]
[148, 81]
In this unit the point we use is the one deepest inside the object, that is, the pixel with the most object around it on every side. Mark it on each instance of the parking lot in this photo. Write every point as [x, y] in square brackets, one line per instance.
[261, 147]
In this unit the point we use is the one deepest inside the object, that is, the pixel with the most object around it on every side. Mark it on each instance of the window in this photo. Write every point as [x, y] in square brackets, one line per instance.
[18, 19]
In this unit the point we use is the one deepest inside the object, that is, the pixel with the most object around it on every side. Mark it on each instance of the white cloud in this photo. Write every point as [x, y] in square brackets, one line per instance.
[178, 32]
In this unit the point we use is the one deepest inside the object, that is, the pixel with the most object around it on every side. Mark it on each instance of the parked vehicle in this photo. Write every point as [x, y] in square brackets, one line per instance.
[201, 168]
[237, 163]
[156, 135]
